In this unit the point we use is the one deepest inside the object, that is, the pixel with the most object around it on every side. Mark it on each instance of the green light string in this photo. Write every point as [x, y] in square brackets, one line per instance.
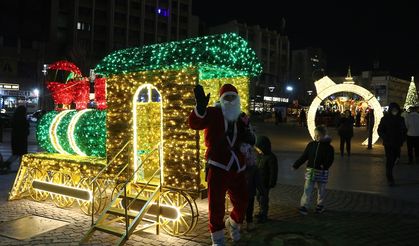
[216, 56]
[62, 129]
[90, 133]
[42, 132]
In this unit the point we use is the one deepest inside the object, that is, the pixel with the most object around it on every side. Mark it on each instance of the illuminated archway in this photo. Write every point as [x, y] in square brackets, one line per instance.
[147, 96]
[326, 87]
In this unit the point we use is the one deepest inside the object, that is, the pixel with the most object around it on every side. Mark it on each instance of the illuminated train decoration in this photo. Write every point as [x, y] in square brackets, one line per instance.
[73, 132]
[132, 158]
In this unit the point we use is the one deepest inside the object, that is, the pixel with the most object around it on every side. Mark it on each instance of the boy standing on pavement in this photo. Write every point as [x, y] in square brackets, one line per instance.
[320, 155]
[267, 165]
[412, 125]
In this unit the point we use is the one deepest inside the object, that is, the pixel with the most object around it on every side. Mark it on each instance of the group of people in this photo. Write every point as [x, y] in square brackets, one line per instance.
[395, 130]
[236, 158]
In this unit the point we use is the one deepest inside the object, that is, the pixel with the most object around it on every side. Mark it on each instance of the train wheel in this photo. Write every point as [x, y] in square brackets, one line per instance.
[37, 195]
[60, 200]
[188, 210]
[98, 193]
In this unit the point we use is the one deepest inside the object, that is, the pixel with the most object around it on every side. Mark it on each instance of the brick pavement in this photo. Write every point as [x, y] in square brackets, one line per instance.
[351, 219]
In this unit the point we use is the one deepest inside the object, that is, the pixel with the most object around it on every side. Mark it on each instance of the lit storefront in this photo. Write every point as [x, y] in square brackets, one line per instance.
[11, 97]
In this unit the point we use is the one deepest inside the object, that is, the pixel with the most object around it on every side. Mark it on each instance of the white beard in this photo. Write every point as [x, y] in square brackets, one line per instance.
[231, 110]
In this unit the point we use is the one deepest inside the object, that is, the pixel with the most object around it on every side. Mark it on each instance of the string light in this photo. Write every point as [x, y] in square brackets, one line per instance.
[326, 87]
[173, 69]
[100, 93]
[181, 167]
[217, 56]
[42, 131]
[66, 66]
[74, 132]
[90, 133]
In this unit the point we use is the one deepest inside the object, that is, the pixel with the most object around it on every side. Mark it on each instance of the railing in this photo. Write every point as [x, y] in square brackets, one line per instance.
[93, 182]
[124, 190]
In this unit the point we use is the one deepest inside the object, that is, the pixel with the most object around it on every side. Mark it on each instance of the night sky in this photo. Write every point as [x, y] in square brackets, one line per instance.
[350, 33]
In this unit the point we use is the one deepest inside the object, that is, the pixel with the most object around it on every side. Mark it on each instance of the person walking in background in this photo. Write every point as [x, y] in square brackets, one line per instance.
[320, 155]
[20, 133]
[392, 130]
[267, 169]
[303, 118]
[346, 132]
[358, 119]
[412, 125]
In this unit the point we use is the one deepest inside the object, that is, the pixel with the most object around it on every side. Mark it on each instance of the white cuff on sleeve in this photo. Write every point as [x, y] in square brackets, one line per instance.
[198, 115]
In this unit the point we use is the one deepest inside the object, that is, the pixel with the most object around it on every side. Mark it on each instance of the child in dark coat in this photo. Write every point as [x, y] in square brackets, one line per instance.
[320, 156]
[264, 178]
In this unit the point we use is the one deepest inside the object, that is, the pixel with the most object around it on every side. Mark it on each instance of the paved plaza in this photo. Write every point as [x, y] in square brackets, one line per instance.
[361, 208]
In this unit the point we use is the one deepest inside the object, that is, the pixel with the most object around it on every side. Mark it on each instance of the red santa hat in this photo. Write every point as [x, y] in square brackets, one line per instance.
[228, 89]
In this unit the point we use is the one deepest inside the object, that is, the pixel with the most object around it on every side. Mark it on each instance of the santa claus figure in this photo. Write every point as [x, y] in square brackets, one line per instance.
[226, 131]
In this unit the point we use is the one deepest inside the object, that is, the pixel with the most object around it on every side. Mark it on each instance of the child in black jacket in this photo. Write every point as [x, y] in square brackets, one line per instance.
[265, 177]
[320, 155]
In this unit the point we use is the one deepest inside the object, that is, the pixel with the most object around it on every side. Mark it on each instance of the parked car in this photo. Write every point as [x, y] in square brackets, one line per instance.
[36, 116]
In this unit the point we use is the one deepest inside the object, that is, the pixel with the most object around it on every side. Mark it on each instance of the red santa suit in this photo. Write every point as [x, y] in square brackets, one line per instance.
[226, 164]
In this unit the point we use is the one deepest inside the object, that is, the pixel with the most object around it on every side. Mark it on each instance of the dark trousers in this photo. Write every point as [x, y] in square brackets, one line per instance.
[256, 187]
[253, 182]
[392, 155]
[343, 140]
[263, 199]
[413, 144]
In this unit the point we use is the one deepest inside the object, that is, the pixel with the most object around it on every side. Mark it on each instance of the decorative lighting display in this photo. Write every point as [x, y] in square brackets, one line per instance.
[53, 133]
[42, 131]
[100, 93]
[74, 89]
[62, 94]
[76, 166]
[73, 132]
[182, 167]
[61, 132]
[90, 133]
[149, 125]
[66, 66]
[325, 87]
[411, 96]
[217, 56]
[81, 93]
[148, 96]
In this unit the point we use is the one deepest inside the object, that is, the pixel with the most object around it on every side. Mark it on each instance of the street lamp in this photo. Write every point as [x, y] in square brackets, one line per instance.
[289, 88]
[271, 90]
[41, 91]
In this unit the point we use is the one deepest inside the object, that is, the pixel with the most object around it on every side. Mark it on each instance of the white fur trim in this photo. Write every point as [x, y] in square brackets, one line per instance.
[231, 142]
[217, 164]
[198, 115]
[230, 163]
[228, 93]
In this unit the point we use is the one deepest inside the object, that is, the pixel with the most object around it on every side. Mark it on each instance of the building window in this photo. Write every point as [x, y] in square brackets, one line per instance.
[183, 32]
[85, 12]
[162, 12]
[184, 7]
[119, 32]
[83, 26]
[135, 5]
[183, 20]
